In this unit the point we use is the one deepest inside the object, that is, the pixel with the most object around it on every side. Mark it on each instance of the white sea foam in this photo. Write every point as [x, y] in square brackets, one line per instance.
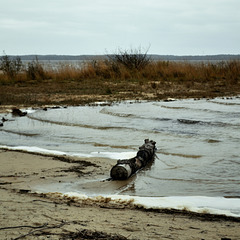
[114, 155]
[29, 110]
[111, 155]
[199, 204]
[34, 149]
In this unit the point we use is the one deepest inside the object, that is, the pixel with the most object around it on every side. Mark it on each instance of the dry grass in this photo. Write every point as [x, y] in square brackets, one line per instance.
[107, 80]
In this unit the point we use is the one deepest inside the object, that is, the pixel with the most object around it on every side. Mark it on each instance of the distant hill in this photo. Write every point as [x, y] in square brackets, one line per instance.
[59, 57]
[220, 57]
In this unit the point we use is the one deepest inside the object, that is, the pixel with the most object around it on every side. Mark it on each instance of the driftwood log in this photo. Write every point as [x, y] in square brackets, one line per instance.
[127, 167]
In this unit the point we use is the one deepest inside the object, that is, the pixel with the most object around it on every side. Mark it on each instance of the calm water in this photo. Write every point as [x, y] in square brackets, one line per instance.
[198, 141]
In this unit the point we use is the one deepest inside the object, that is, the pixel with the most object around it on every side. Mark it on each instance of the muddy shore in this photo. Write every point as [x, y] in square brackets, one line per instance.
[25, 214]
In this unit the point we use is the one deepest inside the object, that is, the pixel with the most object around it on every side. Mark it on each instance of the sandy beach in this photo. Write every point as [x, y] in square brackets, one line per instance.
[25, 214]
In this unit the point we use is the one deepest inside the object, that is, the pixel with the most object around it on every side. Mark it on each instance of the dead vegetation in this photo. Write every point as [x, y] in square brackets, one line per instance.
[126, 75]
[47, 230]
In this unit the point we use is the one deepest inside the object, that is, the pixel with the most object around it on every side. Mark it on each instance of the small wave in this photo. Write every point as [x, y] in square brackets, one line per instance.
[162, 119]
[121, 128]
[128, 115]
[77, 124]
[216, 124]
[235, 162]
[180, 155]
[198, 180]
[188, 121]
[212, 141]
[225, 103]
[198, 109]
[168, 107]
[125, 115]
[205, 181]
[21, 133]
[112, 146]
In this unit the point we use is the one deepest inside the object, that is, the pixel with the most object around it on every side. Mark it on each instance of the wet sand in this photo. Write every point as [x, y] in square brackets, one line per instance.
[25, 214]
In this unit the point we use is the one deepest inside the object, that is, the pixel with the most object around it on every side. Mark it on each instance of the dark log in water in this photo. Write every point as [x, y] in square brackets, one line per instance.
[18, 112]
[127, 167]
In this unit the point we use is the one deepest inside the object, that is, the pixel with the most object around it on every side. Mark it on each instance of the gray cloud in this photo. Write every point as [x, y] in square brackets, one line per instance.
[178, 27]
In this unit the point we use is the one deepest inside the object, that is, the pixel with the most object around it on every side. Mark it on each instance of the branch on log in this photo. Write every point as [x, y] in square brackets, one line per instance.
[127, 167]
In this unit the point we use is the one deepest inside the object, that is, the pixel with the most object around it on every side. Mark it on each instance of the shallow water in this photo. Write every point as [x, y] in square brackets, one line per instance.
[197, 141]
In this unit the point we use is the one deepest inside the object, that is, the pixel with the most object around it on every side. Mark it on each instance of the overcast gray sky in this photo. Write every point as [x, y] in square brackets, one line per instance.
[178, 27]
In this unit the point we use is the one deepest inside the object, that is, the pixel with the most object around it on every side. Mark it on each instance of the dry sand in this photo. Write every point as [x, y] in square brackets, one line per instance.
[28, 215]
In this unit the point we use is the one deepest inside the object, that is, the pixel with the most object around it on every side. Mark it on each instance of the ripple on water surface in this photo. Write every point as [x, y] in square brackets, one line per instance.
[197, 141]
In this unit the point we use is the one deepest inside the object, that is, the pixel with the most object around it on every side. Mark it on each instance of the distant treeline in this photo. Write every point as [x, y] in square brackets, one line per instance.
[220, 57]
